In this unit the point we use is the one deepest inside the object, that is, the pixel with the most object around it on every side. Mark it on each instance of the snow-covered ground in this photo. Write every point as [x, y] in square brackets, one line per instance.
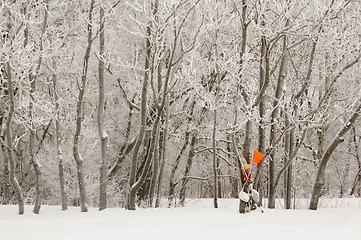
[198, 220]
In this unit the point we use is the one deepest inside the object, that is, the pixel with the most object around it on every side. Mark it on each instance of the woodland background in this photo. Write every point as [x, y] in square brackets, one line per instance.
[118, 103]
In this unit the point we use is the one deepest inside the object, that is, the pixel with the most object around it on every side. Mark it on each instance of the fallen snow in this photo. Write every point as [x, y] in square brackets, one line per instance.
[196, 222]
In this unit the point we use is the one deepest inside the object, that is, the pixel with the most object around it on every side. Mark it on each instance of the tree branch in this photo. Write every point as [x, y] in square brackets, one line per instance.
[132, 105]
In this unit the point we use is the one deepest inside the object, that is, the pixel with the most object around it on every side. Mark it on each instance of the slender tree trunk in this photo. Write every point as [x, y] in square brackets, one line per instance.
[272, 194]
[34, 72]
[288, 174]
[275, 115]
[59, 139]
[242, 204]
[5, 190]
[234, 179]
[33, 159]
[127, 146]
[261, 128]
[320, 177]
[103, 136]
[185, 180]
[214, 142]
[215, 165]
[356, 183]
[130, 199]
[155, 171]
[247, 141]
[164, 157]
[172, 185]
[4, 186]
[171, 62]
[12, 177]
[153, 138]
[248, 128]
[78, 159]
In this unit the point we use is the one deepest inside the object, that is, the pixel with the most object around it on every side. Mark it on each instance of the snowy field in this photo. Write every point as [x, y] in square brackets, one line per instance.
[198, 220]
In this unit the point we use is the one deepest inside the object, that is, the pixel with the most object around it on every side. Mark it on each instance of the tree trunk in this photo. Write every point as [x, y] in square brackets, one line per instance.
[103, 136]
[33, 159]
[356, 183]
[248, 129]
[261, 128]
[288, 174]
[214, 146]
[5, 191]
[155, 171]
[33, 74]
[275, 115]
[78, 159]
[319, 181]
[163, 154]
[272, 194]
[172, 185]
[134, 188]
[4, 186]
[234, 179]
[59, 139]
[182, 195]
[127, 146]
[130, 199]
[12, 177]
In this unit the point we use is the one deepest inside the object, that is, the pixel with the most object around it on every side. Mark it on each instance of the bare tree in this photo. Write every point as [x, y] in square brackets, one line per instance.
[102, 134]
[8, 127]
[163, 155]
[59, 139]
[33, 75]
[176, 50]
[78, 159]
[319, 181]
[130, 199]
[12, 177]
[356, 183]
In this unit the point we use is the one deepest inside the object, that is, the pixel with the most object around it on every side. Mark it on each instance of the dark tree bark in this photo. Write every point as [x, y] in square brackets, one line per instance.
[289, 138]
[272, 194]
[163, 155]
[158, 97]
[78, 159]
[185, 180]
[33, 75]
[155, 170]
[172, 184]
[103, 136]
[274, 116]
[4, 186]
[356, 189]
[147, 163]
[214, 154]
[214, 131]
[12, 177]
[261, 128]
[234, 179]
[320, 177]
[59, 139]
[130, 199]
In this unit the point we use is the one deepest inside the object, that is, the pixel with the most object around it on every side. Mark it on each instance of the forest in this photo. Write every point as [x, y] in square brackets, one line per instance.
[147, 103]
